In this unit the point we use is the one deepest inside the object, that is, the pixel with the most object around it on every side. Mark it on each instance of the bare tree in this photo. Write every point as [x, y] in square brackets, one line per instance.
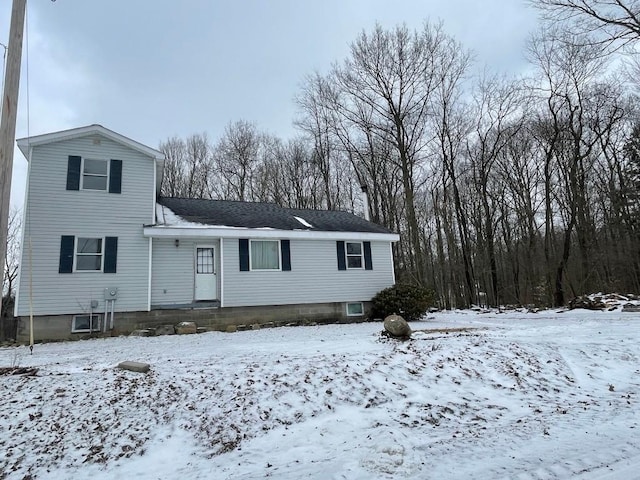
[452, 124]
[498, 109]
[318, 122]
[187, 167]
[387, 84]
[198, 162]
[575, 116]
[236, 157]
[11, 266]
[12, 258]
[173, 181]
[612, 20]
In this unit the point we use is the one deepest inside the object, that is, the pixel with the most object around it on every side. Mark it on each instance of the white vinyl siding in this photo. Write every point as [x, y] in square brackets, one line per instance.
[173, 271]
[52, 211]
[314, 276]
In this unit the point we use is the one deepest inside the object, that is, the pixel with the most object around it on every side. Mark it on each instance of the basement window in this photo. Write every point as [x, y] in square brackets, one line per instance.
[355, 309]
[85, 323]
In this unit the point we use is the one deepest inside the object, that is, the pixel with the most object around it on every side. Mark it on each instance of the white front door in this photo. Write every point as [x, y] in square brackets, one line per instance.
[206, 283]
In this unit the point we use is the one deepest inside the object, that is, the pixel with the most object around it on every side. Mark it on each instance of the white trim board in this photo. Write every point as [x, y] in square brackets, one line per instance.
[239, 232]
[25, 143]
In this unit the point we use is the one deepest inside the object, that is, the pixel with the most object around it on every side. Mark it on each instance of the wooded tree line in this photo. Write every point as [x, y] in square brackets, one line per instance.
[521, 191]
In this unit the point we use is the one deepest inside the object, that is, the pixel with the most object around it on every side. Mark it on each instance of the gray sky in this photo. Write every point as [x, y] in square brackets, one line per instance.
[154, 69]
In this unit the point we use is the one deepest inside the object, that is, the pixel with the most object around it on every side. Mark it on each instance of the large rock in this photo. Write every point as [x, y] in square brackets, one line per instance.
[134, 366]
[396, 326]
[144, 332]
[165, 330]
[184, 328]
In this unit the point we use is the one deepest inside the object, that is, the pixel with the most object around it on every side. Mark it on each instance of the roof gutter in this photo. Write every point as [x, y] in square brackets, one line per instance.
[242, 232]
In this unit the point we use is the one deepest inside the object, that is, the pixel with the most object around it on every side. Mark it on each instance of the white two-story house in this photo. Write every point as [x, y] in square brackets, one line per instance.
[103, 252]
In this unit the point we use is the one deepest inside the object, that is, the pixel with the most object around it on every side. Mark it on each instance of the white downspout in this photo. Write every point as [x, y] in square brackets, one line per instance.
[150, 273]
[221, 272]
[393, 267]
[153, 222]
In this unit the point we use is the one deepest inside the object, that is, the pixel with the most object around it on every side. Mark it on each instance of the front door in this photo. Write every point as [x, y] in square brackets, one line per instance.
[206, 284]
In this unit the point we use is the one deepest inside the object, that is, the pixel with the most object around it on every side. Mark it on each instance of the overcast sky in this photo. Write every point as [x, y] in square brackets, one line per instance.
[151, 69]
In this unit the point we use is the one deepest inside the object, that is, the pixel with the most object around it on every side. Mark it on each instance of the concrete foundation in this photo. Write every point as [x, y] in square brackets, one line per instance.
[58, 327]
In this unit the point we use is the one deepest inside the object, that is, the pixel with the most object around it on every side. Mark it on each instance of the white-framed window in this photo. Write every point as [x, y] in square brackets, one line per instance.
[85, 323]
[264, 254]
[89, 254]
[95, 174]
[355, 309]
[353, 251]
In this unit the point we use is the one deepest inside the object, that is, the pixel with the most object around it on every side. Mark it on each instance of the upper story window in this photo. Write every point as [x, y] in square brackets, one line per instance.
[354, 254]
[94, 174]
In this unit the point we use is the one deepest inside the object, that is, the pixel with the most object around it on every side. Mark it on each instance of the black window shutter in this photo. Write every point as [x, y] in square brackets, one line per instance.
[285, 251]
[110, 254]
[73, 172]
[342, 264]
[367, 256]
[67, 244]
[243, 246]
[115, 176]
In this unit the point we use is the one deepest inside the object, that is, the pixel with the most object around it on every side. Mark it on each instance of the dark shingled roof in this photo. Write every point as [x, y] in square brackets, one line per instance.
[260, 215]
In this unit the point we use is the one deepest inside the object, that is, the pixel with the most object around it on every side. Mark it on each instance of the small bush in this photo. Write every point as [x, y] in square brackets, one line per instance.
[409, 301]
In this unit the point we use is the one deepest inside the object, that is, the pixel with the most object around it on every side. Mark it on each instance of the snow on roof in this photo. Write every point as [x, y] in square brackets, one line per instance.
[228, 219]
[303, 221]
[167, 217]
[255, 215]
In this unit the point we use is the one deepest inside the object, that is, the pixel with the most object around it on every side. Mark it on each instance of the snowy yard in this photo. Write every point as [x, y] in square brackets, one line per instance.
[516, 395]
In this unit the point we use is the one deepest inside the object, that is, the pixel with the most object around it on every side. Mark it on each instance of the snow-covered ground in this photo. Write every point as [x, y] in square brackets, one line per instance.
[510, 395]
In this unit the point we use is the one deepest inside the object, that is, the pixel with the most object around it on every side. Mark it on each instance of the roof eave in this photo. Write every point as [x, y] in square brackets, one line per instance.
[243, 232]
[25, 143]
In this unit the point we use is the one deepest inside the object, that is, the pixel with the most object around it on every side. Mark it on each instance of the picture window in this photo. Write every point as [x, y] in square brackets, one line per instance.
[265, 254]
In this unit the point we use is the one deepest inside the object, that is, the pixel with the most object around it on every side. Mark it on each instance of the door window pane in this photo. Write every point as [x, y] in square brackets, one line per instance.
[204, 261]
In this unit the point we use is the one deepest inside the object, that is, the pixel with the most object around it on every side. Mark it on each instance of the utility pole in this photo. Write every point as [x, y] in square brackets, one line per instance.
[8, 120]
